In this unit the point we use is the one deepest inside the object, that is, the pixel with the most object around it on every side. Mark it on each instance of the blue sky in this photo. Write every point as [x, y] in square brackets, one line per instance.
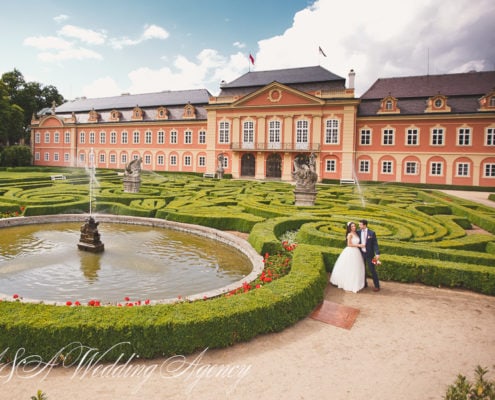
[108, 47]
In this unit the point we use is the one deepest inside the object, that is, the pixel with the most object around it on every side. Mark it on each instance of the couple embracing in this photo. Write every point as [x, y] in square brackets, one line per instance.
[349, 272]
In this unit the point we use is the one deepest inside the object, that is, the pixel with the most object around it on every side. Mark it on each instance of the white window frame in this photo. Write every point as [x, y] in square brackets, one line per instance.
[464, 137]
[412, 137]
[364, 166]
[365, 137]
[436, 168]
[462, 169]
[331, 165]
[274, 134]
[332, 131]
[302, 134]
[248, 134]
[224, 132]
[173, 138]
[188, 137]
[438, 136]
[388, 135]
[387, 167]
[411, 168]
[489, 170]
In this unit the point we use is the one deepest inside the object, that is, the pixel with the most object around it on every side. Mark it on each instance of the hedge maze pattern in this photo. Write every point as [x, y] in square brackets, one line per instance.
[425, 236]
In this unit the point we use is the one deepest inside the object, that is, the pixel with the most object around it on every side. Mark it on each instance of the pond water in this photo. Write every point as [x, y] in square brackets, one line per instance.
[140, 262]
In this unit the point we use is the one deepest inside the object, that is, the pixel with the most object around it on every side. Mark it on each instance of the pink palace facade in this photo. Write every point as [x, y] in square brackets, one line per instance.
[433, 129]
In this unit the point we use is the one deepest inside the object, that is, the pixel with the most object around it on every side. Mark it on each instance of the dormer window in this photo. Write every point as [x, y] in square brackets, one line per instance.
[93, 116]
[137, 113]
[389, 106]
[189, 111]
[162, 113]
[437, 103]
[487, 103]
[115, 115]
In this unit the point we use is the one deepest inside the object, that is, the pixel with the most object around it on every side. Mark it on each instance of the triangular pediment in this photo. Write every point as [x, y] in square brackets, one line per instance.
[277, 94]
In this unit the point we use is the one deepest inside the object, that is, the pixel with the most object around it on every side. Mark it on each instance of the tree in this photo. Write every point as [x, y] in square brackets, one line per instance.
[16, 156]
[31, 97]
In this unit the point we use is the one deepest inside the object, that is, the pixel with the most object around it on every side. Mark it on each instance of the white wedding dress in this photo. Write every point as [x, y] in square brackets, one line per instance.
[348, 271]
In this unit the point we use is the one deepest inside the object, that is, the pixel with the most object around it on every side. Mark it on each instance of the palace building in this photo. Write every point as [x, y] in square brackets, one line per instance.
[433, 129]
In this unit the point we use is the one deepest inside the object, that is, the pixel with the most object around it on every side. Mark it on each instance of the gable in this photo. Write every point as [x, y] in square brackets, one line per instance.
[277, 94]
[50, 121]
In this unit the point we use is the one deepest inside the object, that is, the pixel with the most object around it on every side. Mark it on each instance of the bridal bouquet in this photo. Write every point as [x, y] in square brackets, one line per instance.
[376, 261]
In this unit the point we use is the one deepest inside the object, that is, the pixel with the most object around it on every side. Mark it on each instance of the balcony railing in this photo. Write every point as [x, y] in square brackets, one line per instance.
[287, 147]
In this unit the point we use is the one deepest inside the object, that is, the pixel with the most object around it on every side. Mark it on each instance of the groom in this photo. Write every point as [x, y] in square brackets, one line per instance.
[368, 238]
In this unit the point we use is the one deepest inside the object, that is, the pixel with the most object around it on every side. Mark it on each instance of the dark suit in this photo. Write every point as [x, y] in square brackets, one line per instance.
[371, 250]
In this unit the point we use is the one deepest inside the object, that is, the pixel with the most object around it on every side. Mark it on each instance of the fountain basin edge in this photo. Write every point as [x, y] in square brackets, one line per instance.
[226, 238]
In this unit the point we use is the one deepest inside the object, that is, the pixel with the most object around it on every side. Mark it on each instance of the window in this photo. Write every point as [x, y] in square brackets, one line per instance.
[364, 166]
[464, 137]
[82, 138]
[386, 167]
[147, 159]
[124, 138]
[173, 160]
[82, 157]
[160, 160]
[66, 157]
[438, 103]
[489, 170]
[248, 132]
[202, 137]
[332, 131]
[102, 158]
[161, 137]
[187, 137]
[202, 161]
[225, 162]
[113, 137]
[490, 136]
[37, 156]
[113, 159]
[56, 137]
[436, 168]
[47, 156]
[388, 137]
[187, 161]
[91, 138]
[411, 168]
[147, 137]
[274, 134]
[437, 137]
[365, 137]
[37, 137]
[55, 157]
[462, 169]
[492, 101]
[412, 137]
[302, 127]
[47, 137]
[67, 137]
[173, 137]
[389, 105]
[224, 132]
[330, 166]
[123, 158]
[135, 137]
[103, 137]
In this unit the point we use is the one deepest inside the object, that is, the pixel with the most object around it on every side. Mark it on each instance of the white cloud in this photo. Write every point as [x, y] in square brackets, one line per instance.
[154, 32]
[239, 45]
[102, 87]
[61, 18]
[384, 38]
[84, 35]
[47, 42]
[150, 32]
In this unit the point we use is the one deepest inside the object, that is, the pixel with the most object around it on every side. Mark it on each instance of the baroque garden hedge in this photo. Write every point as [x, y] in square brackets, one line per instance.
[425, 237]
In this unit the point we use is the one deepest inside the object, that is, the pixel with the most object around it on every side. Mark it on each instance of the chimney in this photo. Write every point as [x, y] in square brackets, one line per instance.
[352, 77]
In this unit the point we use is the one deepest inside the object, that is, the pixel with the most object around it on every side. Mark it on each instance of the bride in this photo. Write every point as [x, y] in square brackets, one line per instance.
[348, 271]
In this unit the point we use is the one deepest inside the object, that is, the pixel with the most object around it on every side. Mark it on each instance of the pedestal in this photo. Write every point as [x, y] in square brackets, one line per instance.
[305, 198]
[132, 184]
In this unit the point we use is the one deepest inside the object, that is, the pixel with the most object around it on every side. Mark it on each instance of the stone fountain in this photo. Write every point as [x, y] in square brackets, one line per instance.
[306, 177]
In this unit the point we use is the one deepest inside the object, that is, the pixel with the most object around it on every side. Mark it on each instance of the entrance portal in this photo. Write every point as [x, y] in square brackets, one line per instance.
[248, 165]
[274, 166]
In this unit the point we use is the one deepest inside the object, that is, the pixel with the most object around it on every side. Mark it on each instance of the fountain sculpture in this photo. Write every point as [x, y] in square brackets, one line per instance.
[220, 169]
[132, 176]
[306, 177]
[90, 238]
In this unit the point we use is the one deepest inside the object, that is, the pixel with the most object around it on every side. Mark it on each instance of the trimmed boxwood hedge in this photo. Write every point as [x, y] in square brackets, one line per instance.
[164, 329]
